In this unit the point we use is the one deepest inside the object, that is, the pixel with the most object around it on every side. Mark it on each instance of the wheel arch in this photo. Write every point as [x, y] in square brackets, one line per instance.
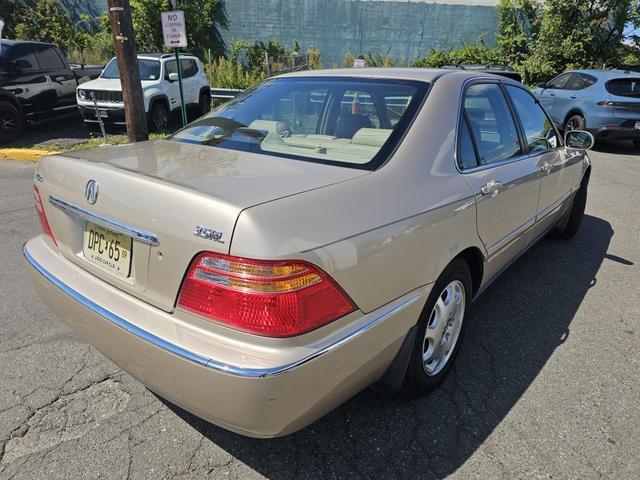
[474, 258]
[571, 113]
[11, 98]
[159, 98]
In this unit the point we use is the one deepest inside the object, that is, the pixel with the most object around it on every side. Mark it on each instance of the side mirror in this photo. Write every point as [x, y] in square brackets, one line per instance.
[542, 85]
[579, 140]
[173, 77]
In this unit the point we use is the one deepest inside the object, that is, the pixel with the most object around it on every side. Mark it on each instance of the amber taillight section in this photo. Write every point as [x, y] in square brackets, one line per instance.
[269, 298]
[46, 229]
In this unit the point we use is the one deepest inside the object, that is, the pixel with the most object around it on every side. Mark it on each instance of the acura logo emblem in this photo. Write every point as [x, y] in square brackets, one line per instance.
[91, 191]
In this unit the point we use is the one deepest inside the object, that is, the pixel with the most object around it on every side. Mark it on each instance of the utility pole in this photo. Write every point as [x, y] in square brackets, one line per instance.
[125, 45]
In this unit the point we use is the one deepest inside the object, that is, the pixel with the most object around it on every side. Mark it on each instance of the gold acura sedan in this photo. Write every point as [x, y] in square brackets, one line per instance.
[321, 233]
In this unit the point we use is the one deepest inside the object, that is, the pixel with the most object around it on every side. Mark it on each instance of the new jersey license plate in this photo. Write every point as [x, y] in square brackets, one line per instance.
[111, 250]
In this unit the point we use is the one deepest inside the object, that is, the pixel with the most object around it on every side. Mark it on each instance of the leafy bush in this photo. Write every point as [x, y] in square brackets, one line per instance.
[469, 53]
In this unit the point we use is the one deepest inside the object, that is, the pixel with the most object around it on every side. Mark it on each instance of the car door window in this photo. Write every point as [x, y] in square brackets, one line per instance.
[355, 102]
[23, 57]
[299, 111]
[537, 126]
[559, 82]
[396, 106]
[49, 58]
[574, 83]
[492, 125]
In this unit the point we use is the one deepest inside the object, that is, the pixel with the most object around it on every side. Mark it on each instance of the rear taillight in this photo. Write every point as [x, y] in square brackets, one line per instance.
[46, 229]
[270, 298]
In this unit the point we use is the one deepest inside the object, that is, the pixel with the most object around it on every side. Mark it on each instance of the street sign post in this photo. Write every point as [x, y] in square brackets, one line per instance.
[174, 32]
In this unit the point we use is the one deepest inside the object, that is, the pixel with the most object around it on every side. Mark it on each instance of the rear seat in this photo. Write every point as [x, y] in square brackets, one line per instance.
[366, 142]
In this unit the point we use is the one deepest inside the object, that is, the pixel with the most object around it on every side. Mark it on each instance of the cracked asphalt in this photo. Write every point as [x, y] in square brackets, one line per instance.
[546, 384]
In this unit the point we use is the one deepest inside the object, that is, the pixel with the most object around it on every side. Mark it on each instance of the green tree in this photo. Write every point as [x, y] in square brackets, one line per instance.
[204, 20]
[579, 34]
[48, 21]
[518, 29]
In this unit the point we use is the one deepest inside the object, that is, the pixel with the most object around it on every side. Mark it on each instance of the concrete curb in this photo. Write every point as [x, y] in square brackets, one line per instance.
[24, 154]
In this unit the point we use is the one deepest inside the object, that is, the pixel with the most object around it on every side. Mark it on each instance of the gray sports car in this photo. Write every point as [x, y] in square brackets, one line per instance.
[323, 232]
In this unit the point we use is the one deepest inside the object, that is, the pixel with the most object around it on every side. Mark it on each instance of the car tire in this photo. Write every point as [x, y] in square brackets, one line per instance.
[571, 221]
[445, 313]
[158, 117]
[575, 122]
[11, 122]
[204, 103]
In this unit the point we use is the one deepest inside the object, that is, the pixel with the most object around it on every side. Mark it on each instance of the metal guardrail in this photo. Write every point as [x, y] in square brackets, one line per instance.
[224, 93]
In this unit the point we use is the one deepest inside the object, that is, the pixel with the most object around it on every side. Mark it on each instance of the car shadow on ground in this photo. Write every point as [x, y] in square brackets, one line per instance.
[619, 148]
[514, 329]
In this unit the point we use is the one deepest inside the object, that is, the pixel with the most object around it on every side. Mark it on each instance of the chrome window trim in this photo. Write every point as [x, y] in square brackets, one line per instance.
[199, 359]
[106, 222]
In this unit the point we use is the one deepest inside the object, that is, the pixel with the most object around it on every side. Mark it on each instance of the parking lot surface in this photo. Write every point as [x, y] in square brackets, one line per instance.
[547, 384]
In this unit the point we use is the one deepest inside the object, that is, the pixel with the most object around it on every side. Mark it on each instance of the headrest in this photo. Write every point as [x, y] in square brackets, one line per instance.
[349, 123]
[271, 126]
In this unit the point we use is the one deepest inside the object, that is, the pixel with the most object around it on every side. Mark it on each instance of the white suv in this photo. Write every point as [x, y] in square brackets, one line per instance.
[159, 78]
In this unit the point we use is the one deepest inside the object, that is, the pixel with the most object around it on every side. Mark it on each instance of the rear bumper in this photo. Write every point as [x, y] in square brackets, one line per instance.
[261, 398]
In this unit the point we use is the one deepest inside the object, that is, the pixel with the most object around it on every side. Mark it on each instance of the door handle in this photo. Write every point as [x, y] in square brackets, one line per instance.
[492, 187]
[59, 79]
[573, 97]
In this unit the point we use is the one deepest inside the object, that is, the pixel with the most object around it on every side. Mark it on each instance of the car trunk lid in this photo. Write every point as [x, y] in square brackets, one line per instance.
[186, 196]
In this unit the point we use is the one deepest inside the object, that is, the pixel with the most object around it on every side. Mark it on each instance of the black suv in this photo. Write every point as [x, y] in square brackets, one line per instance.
[36, 83]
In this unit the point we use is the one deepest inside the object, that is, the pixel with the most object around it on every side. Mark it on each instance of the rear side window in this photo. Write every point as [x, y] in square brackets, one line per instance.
[492, 126]
[537, 126]
[624, 87]
[49, 58]
[466, 151]
[189, 68]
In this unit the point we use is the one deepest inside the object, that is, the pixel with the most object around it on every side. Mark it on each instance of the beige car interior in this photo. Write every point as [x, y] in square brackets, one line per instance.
[360, 148]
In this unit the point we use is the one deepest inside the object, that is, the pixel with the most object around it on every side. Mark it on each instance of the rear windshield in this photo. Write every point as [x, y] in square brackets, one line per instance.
[624, 87]
[352, 122]
[149, 69]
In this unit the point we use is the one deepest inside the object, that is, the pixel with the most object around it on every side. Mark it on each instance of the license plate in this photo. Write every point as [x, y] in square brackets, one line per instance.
[111, 250]
[103, 113]
[637, 125]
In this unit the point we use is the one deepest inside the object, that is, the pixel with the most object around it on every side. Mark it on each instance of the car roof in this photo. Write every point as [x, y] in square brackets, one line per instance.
[605, 74]
[17, 42]
[396, 73]
[160, 56]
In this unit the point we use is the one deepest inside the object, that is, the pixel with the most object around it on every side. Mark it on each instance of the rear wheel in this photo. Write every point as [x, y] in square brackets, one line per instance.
[159, 117]
[204, 102]
[11, 122]
[441, 328]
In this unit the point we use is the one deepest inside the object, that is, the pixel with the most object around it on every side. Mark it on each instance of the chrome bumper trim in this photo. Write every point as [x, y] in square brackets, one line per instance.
[140, 235]
[194, 357]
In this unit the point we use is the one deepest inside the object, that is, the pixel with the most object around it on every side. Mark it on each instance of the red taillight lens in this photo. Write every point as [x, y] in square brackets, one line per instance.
[46, 229]
[270, 298]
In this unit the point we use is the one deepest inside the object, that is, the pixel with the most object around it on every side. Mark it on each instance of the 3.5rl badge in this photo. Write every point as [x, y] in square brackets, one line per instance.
[208, 233]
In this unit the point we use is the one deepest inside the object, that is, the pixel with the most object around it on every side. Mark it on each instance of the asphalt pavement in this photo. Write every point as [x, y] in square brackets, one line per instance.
[547, 384]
